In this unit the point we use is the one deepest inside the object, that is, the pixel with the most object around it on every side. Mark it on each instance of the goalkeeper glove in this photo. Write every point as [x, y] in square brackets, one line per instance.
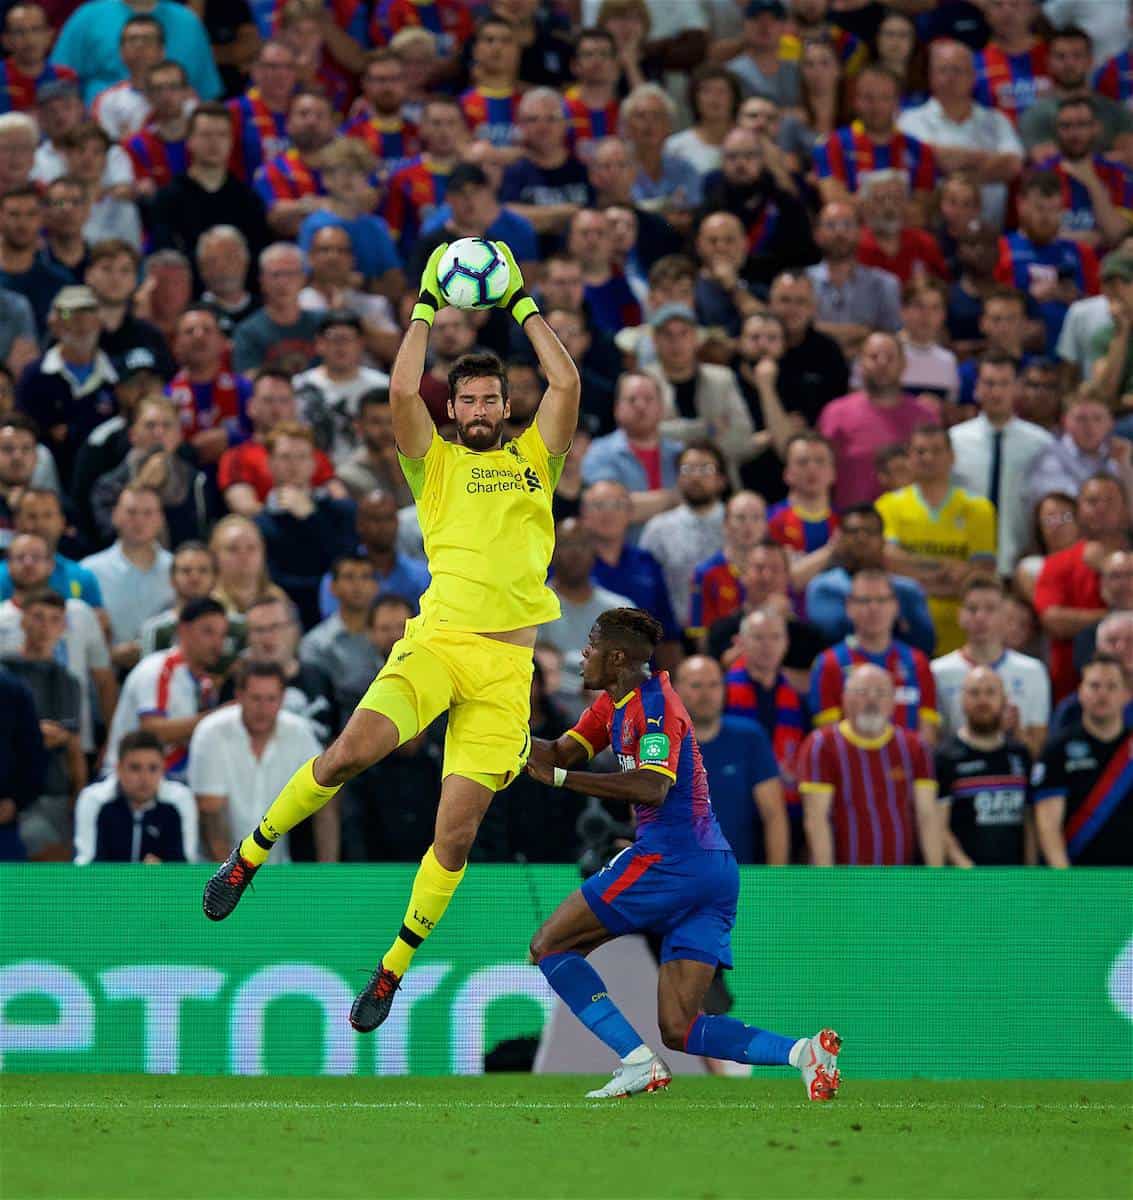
[516, 299]
[429, 298]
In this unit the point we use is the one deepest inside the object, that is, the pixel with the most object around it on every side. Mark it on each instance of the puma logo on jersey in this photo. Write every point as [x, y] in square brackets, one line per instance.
[653, 720]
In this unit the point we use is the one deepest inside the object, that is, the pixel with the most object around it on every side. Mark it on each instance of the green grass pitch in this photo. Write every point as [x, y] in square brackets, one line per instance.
[503, 1136]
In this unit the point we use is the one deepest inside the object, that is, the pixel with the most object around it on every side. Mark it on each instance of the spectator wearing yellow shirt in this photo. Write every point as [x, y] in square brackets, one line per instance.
[938, 534]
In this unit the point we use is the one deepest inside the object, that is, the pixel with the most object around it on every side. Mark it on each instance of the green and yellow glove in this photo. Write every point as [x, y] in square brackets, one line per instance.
[429, 297]
[515, 299]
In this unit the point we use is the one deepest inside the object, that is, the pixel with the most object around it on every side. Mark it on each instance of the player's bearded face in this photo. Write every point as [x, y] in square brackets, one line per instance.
[480, 419]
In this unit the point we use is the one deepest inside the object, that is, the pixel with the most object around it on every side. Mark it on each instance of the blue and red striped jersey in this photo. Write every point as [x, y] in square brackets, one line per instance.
[287, 177]
[414, 193]
[219, 402]
[393, 141]
[716, 592]
[871, 784]
[1023, 262]
[1077, 206]
[1114, 79]
[797, 530]
[651, 729]
[17, 90]
[1011, 82]
[449, 21]
[258, 134]
[781, 712]
[492, 116]
[154, 158]
[908, 668]
[588, 124]
[849, 152]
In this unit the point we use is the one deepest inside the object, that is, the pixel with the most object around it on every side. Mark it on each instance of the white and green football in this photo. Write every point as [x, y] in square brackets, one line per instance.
[472, 274]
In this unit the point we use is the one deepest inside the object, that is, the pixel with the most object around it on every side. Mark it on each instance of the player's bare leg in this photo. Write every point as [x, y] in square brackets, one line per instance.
[681, 987]
[462, 807]
[368, 737]
[559, 948]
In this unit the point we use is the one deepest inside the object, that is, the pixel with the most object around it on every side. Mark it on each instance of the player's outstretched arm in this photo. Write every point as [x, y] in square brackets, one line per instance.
[412, 425]
[557, 417]
[563, 752]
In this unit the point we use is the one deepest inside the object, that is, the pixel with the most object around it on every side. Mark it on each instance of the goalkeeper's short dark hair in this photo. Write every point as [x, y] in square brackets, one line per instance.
[476, 366]
[632, 629]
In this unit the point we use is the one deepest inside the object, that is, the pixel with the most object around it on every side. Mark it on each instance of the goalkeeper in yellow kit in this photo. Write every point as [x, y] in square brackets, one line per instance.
[485, 513]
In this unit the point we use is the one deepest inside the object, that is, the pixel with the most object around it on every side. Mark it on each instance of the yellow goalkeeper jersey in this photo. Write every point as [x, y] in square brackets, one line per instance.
[488, 531]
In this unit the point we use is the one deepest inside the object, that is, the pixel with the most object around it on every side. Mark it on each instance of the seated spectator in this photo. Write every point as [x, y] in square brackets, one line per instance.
[664, 184]
[19, 136]
[1111, 372]
[381, 125]
[136, 814]
[852, 301]
[203, 192]
[39, 511]
[1088, 327]
[747, 793]
[1040, 395]
[548, 185]
[1116, 587]
[83, 650]
[300, 24]
[610, 302]
[937, 533]
[929, 367]
[346, 166]
[1085, 449]
[1014, 51]
[889, 241]
[1113, 635]
[628, 570]
[983, 618]
[340, 645]
[242, 755]
[717, 582]
[18, 345]
[899, 52]
[983, 775]
[241, 564]
[766, 586]
[680, 537]
[636, 454]
[959, 207]
[169, 692]
[823, 102]
[1053, 271]
[166, 291]
[863, 422]
[724, 294]
[290, 185]
[843, 823]
[60, 111]
[112, 274]
[812, 370]
[491, 106]
[244, 474]
[1054, 526]
[259, 116]
[977, 260]
[872, 607]
[965, 136]
[393, 571]
[373, 466]
[1003, 326]
[582, 602]
[66, 211]
[23, 763]
[588, 349]
[45, 824]
[211, 398]
[157, 151]
[304, 531]
[995, 453]
[698, 397]
[221, 264]
[804, 522]
[27, 39]
[18, 454]
[282, 333]
[86, 157]
[133, 573]
[122, 108]
[192, 575]
[70, 389]
[153, 462]
[715, 95]
[1083, 810]
[760, 68]
[874, 138]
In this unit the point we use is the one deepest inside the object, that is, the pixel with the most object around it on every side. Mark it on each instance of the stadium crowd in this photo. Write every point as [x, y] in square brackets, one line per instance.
[850, 288]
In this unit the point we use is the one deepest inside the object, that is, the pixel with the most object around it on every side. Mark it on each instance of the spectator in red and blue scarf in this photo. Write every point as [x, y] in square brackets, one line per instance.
[1012, 70]
[158, 152]
[592, 100]
[392, 139]
[418, 189]
[290, 185]
[491, 106]
[259, 116]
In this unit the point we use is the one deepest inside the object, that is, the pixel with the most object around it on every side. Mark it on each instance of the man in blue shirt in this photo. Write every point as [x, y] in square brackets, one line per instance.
[743, 777]
[88, 44]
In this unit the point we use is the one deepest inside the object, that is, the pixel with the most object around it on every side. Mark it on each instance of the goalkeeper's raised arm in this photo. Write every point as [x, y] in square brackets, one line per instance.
[557, 417]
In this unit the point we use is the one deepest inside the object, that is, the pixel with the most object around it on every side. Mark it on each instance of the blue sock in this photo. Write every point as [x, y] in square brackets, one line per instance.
[584, 993]
[725, 1037]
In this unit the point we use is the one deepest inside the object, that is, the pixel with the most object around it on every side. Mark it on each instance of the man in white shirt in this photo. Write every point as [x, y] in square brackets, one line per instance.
[169, 692]
[995, 452]
[85, 653]
[964, 135]
[983, 617]
[134, 572]
[242, 755]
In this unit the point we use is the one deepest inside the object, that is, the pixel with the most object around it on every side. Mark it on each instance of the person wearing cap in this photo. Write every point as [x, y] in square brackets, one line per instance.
[1112, 375]
[472, 210]
[1088, 317]
[27, 37]
[701, 400]
[112, 275]
[70, 389]
[759, 68]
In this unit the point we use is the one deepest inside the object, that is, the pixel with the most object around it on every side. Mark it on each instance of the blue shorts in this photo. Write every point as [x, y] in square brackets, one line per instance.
[689, 899]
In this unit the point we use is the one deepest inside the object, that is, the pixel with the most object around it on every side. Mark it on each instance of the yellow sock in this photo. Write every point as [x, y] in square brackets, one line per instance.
[302, 795]
[432, 890]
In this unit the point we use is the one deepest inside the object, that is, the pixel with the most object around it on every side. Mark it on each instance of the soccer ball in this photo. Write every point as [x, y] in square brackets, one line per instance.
[472, 274]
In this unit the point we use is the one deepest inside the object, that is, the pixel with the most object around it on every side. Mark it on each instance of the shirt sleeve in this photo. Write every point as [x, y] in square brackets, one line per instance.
[1050, 585]
[814, 767]
[981, 529]
[659, 746]
[415, 469]
[592, 729]
[185, 803]
[97, 653]
[826, 683]
[86, 825]
[1048, 778]
[885, 506]
[206, 766]
[548, 465]
[760, 757]
[944, 775]
[1035, 706]
[924, 770]
[926, 681]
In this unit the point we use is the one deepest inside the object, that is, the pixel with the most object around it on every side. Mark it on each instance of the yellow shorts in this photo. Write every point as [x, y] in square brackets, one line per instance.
[484, 684]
